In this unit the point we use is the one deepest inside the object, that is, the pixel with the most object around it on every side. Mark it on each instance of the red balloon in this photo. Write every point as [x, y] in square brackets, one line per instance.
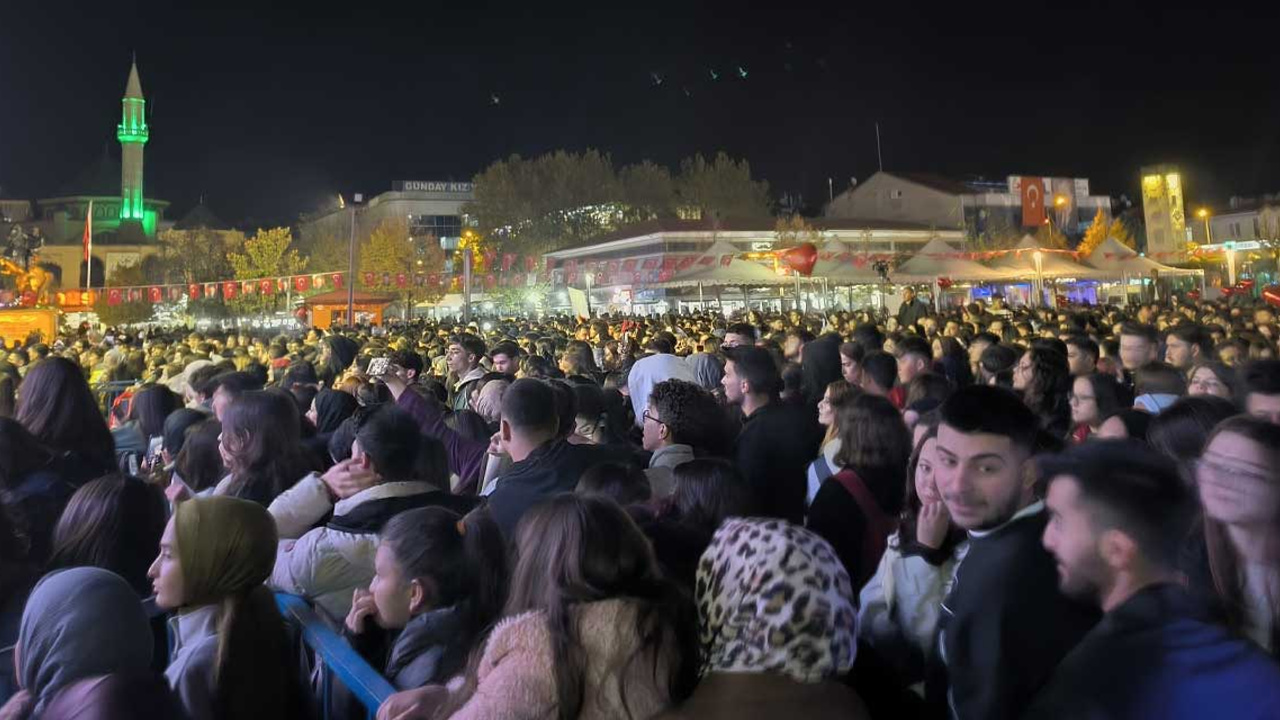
[801, 258]
[1271, 295]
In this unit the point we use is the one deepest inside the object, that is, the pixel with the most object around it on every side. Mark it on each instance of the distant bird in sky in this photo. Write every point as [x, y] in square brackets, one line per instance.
[742, 72]
[657, 79]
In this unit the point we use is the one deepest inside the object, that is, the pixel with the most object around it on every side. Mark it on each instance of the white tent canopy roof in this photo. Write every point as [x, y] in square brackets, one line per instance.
[1021, 259]
[835, 262]
[1114, 259]
[934, 261]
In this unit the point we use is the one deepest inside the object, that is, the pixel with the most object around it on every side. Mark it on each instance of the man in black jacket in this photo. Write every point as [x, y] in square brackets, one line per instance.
[1118, 515]
[1004, 626]
[912, 309]
[545, 463]
[777, 441]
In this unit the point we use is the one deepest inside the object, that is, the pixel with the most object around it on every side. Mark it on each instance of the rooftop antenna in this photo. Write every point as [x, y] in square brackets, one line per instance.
[879, 156]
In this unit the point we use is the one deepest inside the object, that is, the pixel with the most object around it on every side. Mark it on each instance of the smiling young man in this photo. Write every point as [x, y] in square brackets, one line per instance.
[1004, 626]
[1119, 513]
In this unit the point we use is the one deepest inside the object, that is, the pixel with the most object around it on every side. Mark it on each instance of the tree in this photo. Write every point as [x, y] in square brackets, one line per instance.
[125, 313]
[1101, 229]
[269, 253]
[648, 192]
[390, 250]
[795, 230]
[721, 188]
[198, 255]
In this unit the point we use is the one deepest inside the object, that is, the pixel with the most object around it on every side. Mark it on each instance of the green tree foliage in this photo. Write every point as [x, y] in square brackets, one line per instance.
[530, 206]
[198, 255]
[269, 253]
[721, 188]
[134, 274]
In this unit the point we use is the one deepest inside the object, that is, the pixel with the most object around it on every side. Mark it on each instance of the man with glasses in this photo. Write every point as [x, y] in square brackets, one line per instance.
[678, 415]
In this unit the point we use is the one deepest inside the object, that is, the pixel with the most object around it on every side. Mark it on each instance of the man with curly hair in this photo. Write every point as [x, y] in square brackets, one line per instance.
[677, 412]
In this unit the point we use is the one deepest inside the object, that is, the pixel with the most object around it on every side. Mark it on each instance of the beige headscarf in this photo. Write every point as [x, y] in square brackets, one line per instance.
[225, 546]
[489, 401]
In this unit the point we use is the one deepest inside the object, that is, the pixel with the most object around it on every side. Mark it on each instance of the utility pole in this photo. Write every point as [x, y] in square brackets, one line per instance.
[351, 263]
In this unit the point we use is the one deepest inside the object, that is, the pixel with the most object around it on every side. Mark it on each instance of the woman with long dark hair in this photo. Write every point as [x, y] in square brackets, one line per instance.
[1043, 377]
[1238, 477]
[231, 657]
[57, 407]
[261, 447]
[899, 606]
[1094, 398]
[440, 580]
[33, 489]
[578, 359]
[592, 629]
[836, 396]
[855, 509]
[114, 523]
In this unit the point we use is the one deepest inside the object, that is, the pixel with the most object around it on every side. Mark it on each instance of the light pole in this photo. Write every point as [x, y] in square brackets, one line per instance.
[1039, 258]
[351, 262]
[1203, 214]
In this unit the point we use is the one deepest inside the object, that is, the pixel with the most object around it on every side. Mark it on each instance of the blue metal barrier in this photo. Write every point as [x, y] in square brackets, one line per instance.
[335, 657]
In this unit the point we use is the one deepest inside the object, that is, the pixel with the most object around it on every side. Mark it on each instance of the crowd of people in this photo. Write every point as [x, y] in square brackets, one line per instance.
[984, 512]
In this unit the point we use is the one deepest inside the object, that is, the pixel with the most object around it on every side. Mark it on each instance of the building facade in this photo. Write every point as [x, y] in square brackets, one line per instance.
[981, 210]
[429, 207]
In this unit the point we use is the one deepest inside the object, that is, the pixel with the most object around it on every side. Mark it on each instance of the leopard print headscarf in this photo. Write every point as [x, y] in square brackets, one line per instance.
[773, 597]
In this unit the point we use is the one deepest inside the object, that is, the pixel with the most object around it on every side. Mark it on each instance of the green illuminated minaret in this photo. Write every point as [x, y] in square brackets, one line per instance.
[132, 133]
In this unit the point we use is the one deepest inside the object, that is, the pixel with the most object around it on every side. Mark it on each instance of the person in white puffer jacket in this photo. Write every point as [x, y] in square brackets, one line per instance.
[899, 607]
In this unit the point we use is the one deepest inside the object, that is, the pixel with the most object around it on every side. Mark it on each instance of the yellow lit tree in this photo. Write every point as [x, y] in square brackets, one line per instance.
[390, 250]
[268, 254]
[1101, 229]
[795, 230]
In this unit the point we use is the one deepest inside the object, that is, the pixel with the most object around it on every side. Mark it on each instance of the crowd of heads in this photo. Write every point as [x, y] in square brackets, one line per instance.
[637, 485]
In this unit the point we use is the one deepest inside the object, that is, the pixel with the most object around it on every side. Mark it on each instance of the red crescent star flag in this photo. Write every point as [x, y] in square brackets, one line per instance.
[1032, 202]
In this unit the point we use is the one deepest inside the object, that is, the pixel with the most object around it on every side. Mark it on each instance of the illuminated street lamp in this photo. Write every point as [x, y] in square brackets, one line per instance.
[1203, 214]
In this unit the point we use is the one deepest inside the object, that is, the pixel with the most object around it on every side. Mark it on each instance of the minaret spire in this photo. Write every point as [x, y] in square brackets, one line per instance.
[132, 132]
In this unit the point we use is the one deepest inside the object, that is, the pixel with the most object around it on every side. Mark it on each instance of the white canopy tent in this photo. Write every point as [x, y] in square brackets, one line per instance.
[937, 259]
[836, 264]
[1114, 259]
[1053, 264]
[721, 265]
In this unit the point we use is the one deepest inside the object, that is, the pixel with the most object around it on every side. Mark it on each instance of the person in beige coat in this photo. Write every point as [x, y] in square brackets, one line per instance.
[592, 629]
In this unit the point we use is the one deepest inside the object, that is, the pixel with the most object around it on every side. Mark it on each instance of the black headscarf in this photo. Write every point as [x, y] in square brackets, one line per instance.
[342, 351]
[332, 407]
[819, 367]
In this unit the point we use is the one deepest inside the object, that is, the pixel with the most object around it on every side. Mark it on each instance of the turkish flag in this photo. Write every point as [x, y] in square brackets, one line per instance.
[193, 292]
[211, 290]
[336, 278]
[301, 283]
[508, 259]
[433, 280]
[629, 266]
[369, 278]
[401, 280]
[155, 294]
[266, 287]
[651, 263]
[229, 290]
[1032, 202]
[114, 297]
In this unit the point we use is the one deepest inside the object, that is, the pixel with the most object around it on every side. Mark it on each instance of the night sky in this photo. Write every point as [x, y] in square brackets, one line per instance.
[268, 111]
